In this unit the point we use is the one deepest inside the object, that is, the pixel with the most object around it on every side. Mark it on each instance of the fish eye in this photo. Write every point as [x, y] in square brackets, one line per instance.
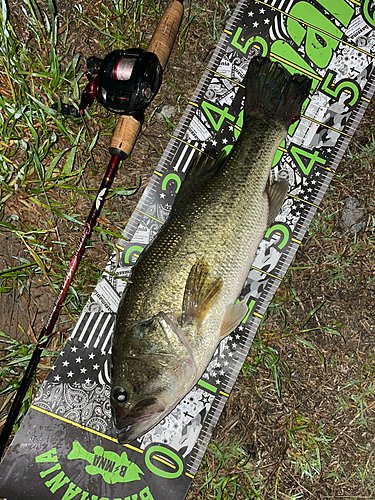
[119, 394]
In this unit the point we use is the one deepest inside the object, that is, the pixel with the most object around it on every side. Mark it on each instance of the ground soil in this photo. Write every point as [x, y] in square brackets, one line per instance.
[326, 383]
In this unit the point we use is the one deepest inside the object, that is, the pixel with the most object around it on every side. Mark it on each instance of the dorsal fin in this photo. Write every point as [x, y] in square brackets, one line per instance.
[205, 166]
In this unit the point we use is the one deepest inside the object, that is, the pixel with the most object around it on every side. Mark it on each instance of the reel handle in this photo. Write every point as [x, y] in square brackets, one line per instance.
[128, 127]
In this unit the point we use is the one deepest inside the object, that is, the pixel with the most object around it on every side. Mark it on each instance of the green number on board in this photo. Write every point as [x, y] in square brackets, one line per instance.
[153, 467]
[319, 44]
[344, 86]
[223, 114]
[305, 160]
[368, 12]
[256, 41]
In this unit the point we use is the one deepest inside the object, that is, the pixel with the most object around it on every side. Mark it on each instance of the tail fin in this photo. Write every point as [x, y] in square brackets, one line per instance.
[273, 93]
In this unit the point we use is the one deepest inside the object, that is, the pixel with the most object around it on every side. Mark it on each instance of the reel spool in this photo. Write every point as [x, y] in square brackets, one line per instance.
[126, 81]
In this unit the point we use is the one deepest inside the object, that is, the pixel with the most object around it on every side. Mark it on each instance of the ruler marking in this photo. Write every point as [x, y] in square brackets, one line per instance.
[295, 66]
[224, 394]
[300, 199]
[207, 386]
[163, 461]
[225, 77]
[188, 143]
[147, 215]
[324, 125]
[264, 272]
[296, 241]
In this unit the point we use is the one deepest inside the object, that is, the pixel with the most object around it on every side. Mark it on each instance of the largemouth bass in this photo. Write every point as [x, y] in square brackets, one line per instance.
[182, 298]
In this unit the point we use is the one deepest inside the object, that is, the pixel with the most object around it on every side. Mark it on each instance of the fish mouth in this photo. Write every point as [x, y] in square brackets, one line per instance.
[141, 418]
[125, 435]
[132, 428]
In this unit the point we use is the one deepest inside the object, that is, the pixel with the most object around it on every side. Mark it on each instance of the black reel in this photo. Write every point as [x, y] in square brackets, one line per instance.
[124, 82]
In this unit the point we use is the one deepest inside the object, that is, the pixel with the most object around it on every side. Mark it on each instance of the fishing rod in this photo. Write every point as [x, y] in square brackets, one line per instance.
[124, 82]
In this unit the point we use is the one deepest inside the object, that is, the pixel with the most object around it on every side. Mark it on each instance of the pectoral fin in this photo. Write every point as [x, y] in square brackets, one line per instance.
[201, 292]
[276, 191]
[234, 314]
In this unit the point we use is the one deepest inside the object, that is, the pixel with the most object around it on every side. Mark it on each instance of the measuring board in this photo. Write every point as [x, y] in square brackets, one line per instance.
[66, 446]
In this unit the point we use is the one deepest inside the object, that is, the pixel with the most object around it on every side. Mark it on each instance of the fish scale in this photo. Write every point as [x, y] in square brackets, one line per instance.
[184, 286]
[214, 208]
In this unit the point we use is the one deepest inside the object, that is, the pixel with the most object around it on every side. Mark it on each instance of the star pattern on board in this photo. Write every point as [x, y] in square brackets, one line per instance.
[225, 357]
[77, 364]
[261, 18]
[307, 192]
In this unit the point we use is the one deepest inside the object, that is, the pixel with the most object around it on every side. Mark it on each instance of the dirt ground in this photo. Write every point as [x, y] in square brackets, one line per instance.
[300, 421]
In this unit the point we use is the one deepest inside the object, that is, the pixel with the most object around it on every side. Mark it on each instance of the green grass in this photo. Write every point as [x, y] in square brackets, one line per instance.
[364, 154]
[118, 23]
[43, 157]
[231, 457]
[42, 154]
[17, 355]
[308, 441]
[32, 161]
[230, 473]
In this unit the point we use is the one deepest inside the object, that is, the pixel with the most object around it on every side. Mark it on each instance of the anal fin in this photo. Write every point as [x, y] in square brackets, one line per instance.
[234, 314]
[276, 191]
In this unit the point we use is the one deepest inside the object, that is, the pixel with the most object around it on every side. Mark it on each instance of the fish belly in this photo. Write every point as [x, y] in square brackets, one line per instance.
[220, 222]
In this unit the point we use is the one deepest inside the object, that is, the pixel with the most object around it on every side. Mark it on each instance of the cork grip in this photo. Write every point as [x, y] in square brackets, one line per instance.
[124, 136]
[166, 31]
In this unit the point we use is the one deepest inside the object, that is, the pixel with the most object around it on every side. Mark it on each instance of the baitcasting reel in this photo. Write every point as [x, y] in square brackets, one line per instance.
[124, 82]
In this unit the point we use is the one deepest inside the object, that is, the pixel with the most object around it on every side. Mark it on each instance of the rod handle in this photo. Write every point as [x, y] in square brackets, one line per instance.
[124, 136]
[165, 34]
